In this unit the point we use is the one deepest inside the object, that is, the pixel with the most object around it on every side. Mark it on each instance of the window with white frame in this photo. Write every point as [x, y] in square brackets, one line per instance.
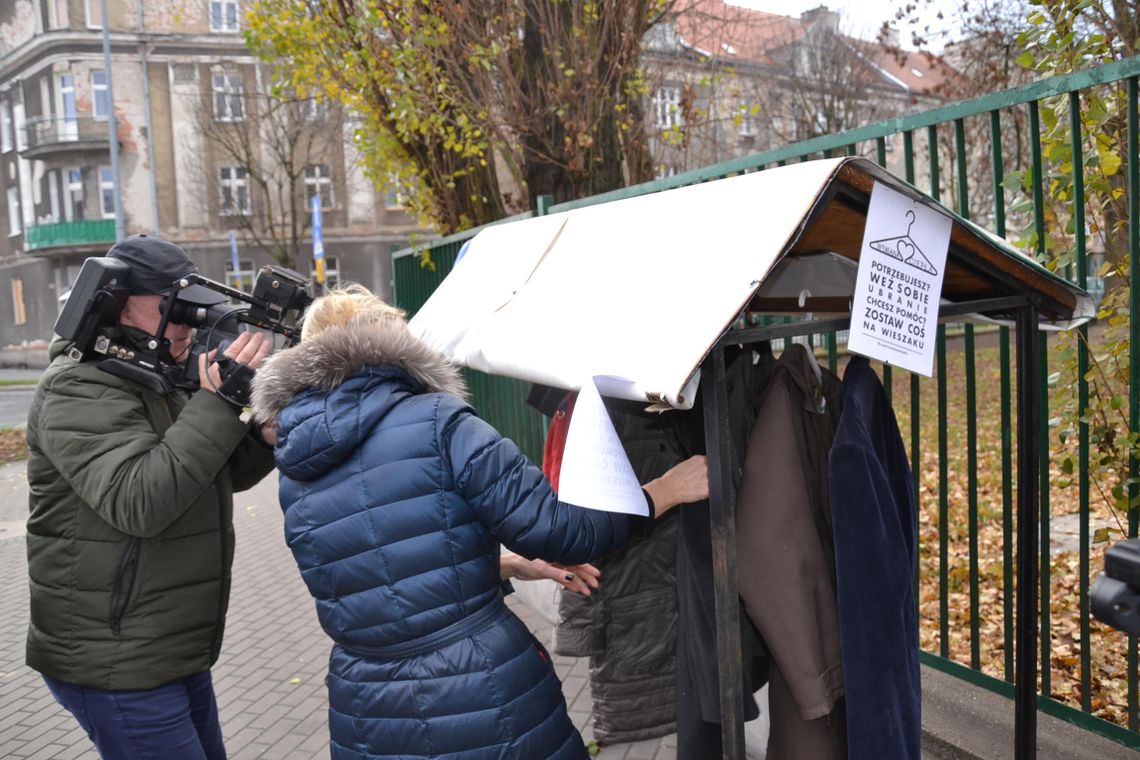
[747, 125]
[58, 15]
[13, 211]
[228, 93]
[73, 207]
[106, 192]
[53, 194]
[224, 16]
[19, 122]
[314, 109]
[68, 113]
[234, 190]
[393, 194]
[5, 127]
[94, 14]
[318, 180]
[100, 104]
[242, 278]
[19, 310]
[667, 107]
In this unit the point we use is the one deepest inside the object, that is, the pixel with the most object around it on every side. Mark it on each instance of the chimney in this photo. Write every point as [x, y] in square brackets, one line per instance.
[824, 17]
[889, 37]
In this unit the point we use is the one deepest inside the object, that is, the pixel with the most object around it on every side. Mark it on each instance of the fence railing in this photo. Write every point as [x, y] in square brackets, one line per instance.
[70, 233]
[961, 420]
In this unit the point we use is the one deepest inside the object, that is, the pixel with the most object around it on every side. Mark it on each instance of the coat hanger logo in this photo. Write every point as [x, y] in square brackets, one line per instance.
[905, 249]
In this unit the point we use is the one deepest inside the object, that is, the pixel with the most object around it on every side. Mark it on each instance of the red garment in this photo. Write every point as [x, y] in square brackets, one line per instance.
[556, 439]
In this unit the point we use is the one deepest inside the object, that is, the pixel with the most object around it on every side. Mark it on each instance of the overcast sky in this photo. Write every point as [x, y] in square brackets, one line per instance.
[860, 18]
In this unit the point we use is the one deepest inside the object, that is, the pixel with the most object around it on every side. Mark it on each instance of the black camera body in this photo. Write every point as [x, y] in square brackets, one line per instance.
[1115, 596]
[90, 320]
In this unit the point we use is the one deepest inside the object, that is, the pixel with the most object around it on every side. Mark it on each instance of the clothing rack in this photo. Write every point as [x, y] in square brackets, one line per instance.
[722, 507]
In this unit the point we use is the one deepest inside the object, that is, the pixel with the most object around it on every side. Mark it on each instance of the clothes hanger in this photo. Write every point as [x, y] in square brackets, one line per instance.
[804, 295]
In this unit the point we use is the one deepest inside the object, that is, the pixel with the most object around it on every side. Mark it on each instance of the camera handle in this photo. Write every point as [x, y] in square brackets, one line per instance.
[236, 381]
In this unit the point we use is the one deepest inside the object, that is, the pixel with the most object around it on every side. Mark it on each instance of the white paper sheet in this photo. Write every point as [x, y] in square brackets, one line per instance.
[894, 315]
[595, 471]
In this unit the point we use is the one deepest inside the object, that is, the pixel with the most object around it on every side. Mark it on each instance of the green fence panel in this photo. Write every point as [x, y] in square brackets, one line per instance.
[1010, 114]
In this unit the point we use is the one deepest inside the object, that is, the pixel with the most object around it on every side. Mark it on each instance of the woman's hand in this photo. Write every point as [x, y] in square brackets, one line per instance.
[577, 578]
[683, 484]
[268, 432]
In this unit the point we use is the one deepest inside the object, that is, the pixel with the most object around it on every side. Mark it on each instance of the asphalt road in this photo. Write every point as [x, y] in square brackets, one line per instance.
[14, 401]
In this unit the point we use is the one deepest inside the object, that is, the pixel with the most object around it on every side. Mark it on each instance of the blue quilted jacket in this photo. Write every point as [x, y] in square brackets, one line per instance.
[396, 499]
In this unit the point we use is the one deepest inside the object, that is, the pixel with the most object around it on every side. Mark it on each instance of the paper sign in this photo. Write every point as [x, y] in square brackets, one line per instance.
[894, 314]
[595, 471]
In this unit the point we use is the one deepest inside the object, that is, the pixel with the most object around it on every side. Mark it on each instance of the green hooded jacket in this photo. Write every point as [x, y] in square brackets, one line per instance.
[130, 533]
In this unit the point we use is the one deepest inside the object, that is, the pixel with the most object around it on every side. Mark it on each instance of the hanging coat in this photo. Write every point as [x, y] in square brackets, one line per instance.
[784, 552]
[698, 680]
[628, 626]
[875, 525]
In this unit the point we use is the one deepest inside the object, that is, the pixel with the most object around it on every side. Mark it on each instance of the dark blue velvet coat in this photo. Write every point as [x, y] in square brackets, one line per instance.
[875, 527]
[396, 500]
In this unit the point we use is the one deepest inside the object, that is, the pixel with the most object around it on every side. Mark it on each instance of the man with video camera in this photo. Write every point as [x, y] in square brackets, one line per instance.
[130, 536]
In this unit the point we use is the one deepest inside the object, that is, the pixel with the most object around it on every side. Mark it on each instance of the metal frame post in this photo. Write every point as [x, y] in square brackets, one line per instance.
[1025, 710]
[722, 508]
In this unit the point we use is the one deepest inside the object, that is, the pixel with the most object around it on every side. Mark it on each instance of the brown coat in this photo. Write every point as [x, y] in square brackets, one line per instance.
[784, 551]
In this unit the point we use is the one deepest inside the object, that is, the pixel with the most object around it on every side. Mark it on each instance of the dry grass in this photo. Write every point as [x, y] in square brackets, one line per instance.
[13, 445]
[1108, 665]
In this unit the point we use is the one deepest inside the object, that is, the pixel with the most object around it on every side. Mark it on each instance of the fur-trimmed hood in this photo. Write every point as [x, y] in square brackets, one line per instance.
[324, 362]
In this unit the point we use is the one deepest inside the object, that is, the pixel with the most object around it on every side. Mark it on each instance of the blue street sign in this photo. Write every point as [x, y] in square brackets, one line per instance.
[234, 262]
[318, 241]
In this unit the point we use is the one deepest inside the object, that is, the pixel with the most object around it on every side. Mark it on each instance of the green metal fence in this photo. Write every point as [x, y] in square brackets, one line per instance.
[965, 576]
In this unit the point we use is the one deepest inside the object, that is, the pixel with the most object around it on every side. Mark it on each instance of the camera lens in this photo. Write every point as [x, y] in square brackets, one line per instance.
[186, 313]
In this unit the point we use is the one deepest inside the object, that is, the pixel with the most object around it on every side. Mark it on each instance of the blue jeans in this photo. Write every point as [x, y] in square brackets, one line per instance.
[175, 721]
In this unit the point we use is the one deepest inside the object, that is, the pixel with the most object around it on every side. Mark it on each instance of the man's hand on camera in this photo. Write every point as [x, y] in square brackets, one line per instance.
[248, 348]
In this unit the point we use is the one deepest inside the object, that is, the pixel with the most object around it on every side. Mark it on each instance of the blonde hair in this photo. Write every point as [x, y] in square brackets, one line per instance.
[351, 304]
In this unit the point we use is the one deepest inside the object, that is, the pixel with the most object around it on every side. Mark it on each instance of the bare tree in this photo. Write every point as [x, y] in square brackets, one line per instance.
[259, 151]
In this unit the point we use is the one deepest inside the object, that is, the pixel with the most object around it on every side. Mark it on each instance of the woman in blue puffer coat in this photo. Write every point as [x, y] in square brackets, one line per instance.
[397, 498]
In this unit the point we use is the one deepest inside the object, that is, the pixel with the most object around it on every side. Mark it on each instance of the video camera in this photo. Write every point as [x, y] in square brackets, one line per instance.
[90, 320]
[1116, 595]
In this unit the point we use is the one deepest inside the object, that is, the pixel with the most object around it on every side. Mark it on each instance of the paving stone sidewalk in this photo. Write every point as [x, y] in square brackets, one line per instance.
[270, 677]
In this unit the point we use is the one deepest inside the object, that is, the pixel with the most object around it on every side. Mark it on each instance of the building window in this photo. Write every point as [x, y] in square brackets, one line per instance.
[106, 192]
[667, 107]
[224, 16]
[243, 277]
[5, 127]
[19, 123]
[19, 312]
[393, 194]
[68, 114]
[13, 211]
[314, 109]
[94, 14]
[53, 194]
[58, 16]
[73, 209]
[100, 105]
[228, 104]
[318, 180]
[234, 190]
[183, 73]
[747, 124]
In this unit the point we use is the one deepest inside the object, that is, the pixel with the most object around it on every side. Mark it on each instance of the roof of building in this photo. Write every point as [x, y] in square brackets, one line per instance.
[730, 33]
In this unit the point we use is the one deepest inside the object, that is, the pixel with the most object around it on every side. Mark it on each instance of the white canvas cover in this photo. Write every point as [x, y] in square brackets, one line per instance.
[631, 288]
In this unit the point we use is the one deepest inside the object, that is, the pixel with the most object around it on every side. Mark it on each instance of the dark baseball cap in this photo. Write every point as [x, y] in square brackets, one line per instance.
[154, 264]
